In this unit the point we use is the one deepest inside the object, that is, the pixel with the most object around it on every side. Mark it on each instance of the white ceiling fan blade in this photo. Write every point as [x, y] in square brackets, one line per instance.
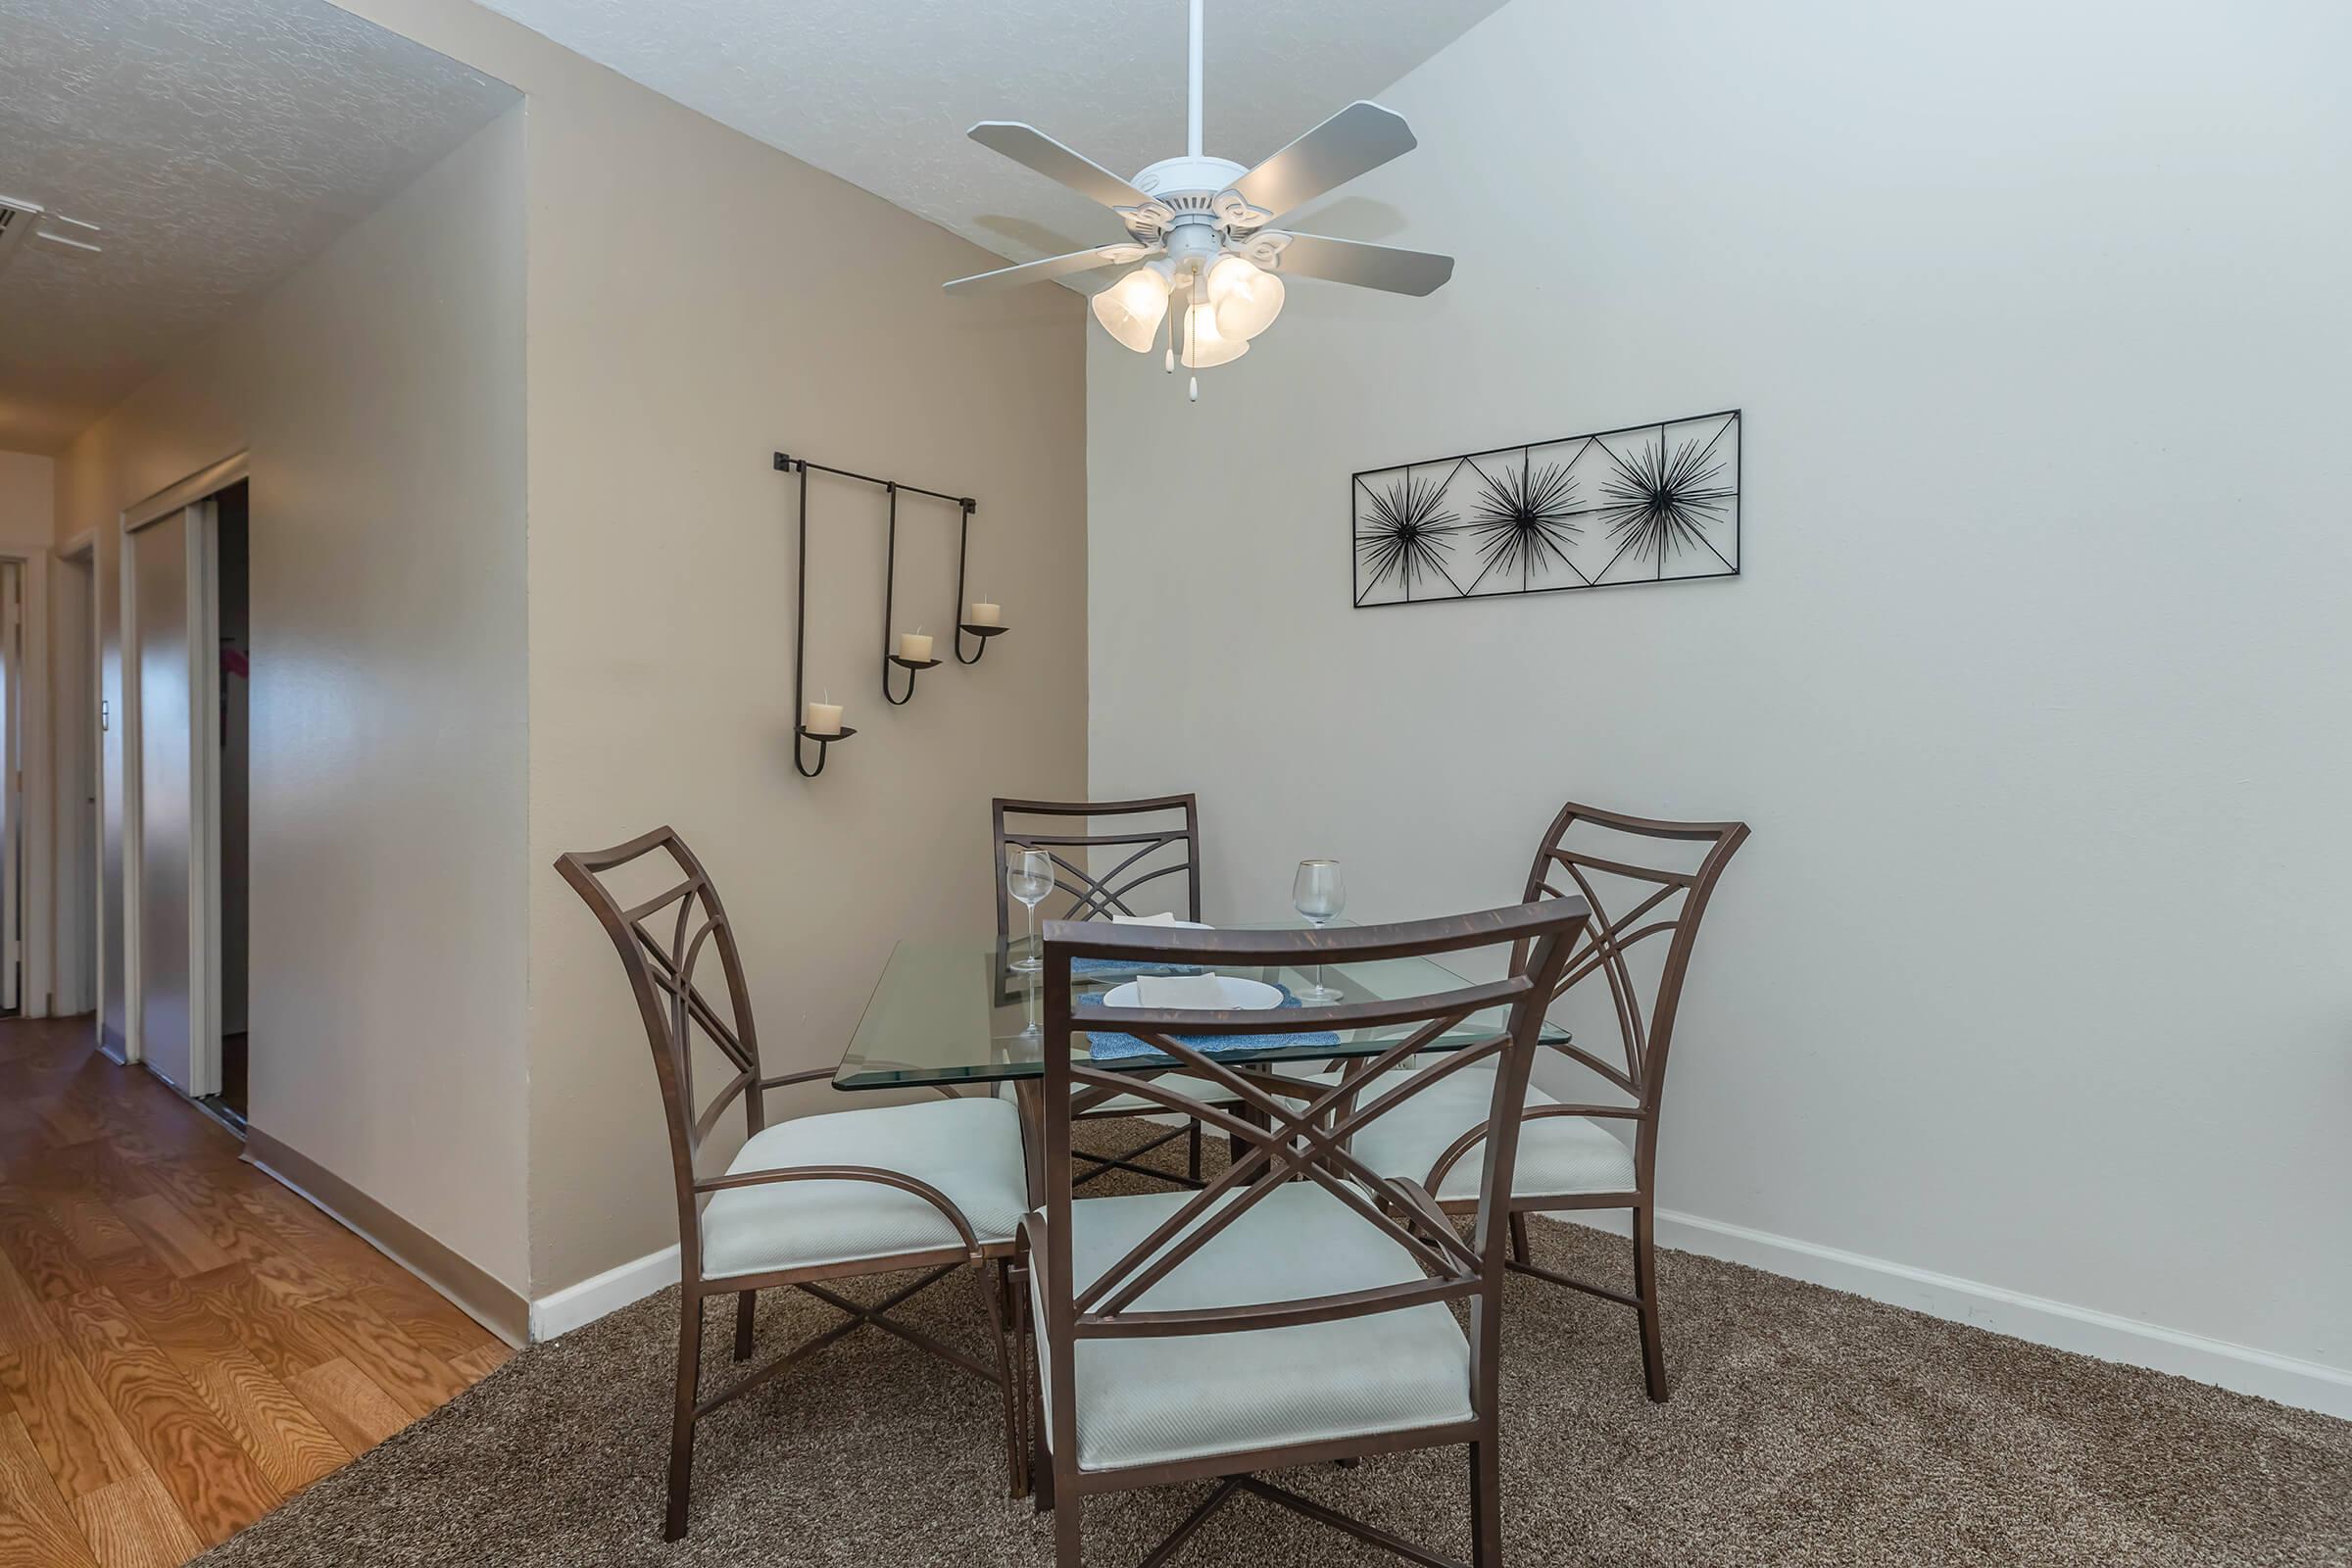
[1050, 267]
[1348, 261]
[1026, 144]
[1358, 138]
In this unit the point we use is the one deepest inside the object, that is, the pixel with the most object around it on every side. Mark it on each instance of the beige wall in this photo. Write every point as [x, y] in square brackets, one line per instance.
[27, 486]
[2030, 689]
[696, 301]
[691, 302]
[381, 393]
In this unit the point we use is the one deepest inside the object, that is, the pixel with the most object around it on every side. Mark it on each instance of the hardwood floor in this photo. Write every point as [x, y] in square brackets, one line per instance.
[183, 1342]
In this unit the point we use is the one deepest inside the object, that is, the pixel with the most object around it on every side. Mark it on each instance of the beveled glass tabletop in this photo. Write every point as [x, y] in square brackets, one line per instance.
[947, 1012]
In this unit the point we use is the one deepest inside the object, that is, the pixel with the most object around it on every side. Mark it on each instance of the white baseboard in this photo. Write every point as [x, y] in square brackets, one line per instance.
[2307, 1384]
[577, 1305]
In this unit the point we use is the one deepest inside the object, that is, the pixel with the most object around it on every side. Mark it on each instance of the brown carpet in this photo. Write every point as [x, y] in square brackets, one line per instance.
[1806, 1427]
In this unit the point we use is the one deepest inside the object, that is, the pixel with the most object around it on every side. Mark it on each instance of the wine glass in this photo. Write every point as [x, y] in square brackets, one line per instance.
[1318, 893]
[1028, 877]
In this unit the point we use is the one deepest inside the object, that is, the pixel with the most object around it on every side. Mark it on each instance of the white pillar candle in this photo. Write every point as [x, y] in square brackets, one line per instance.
[985, 613]
[824, 718]
[915, 648]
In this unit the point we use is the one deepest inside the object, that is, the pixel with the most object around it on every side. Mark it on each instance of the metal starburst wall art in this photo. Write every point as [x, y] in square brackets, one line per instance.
[1664, 507]
[1408, 537]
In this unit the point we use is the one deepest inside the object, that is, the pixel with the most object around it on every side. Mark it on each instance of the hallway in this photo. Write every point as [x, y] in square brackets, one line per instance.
[184, 1341]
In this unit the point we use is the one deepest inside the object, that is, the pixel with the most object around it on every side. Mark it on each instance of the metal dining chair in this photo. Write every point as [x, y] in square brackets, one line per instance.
[1296, 1309]
[933, 1186]
[1146, 842]
[1567, 1158]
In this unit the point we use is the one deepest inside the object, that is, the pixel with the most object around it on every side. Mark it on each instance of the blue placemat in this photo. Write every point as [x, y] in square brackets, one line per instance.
[1109, 1046]
[1130, 967]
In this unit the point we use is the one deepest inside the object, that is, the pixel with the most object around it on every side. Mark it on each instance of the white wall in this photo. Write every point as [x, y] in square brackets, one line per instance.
[2034, 973]
[381, 393]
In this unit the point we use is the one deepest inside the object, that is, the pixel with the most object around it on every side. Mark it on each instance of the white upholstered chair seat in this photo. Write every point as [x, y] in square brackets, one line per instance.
[970, 1148]
[1152, 1400]
[1559, 1156]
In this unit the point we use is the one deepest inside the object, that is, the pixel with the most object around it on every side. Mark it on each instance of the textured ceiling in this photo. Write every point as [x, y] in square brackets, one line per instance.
[880, 92]
[220, 144]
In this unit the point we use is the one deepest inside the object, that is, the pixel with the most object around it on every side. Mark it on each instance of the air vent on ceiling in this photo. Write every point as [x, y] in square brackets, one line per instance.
[20, 222]
[16, 220]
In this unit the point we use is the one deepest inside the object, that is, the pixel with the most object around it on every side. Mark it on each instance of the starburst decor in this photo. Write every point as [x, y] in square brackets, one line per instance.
[1407, 535]
[1658, 505]
[1647, 503]
[1522, 520]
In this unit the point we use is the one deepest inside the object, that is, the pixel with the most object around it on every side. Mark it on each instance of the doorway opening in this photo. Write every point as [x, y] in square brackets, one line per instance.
[187, 673]
[233, 635]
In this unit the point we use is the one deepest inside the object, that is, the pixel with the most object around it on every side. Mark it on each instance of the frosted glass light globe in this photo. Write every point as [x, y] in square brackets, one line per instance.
[1206, 344]
[1246, 298]
[1132, 309]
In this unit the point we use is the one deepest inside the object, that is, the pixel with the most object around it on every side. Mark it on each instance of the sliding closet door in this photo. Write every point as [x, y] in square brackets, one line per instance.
[163, 843]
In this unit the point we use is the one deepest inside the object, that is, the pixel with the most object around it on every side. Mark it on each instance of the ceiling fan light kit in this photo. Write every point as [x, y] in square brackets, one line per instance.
[1203, 226]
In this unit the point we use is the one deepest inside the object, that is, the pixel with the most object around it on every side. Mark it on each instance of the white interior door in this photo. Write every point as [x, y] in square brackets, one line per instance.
[166, 848]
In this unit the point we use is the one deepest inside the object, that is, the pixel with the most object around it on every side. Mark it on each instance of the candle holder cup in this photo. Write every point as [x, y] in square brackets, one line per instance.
[913, 667]
[802, 734]
[984, 633]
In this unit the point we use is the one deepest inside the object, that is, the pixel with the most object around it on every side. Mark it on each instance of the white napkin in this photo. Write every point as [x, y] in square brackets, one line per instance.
[1199, 990]
[1143, 919]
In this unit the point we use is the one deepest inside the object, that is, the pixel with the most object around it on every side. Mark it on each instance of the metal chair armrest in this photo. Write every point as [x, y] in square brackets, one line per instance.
[850, 1173]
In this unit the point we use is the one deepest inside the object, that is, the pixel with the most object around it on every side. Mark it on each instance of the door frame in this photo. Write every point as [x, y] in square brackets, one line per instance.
[79, 726]
[203, 893]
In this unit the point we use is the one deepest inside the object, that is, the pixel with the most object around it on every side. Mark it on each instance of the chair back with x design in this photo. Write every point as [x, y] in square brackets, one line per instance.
[1288, 1129]
[674, 921]
[1639, 943]
[1143, 844]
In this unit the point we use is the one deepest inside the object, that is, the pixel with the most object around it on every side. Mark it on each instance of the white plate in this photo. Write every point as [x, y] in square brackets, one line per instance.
[1246, 996]
[1167, 925]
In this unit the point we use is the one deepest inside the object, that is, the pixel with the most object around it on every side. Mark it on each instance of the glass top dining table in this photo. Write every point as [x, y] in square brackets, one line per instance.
[952, 1012]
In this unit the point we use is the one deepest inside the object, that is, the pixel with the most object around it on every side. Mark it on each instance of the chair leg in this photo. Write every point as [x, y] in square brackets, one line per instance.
[1192, 1160]
[1069, 1549]
[1518, 1238]
[743, 1324]
[1040, 1461]
[1645, 1285]
[1485, 1506]
[681, 1429]
[992, 1285]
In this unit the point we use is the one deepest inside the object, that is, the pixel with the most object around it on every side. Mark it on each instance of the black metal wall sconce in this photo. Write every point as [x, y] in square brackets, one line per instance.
[911, 655]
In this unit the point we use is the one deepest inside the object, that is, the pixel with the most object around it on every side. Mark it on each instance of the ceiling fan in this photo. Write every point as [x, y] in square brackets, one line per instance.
[1202, 230]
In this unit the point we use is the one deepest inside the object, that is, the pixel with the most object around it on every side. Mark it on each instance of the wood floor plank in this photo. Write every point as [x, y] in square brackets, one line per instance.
[35, 1525]
[90, 1224]
[348, 1401]
[425, 1315]
[45, 1258]
[21, 1319]
[81, 1442]
[277, 1429]
[186, 1314]
[419, 1381]
[276, 1332]
[177, 1239]
[135, 1524]
[477, 1365]
[217, 1485]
